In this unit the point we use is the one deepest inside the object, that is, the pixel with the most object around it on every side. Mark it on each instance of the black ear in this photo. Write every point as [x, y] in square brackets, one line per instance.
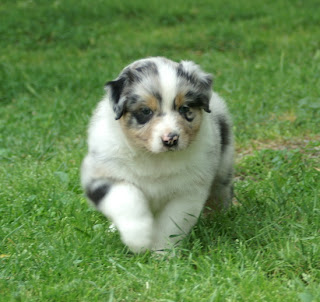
[204, 101]
[199, 100]
[116, 88]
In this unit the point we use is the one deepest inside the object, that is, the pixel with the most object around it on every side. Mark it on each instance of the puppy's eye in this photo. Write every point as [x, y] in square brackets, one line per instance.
[184, 109]
[143, 115]
[187, 113]
[146, 111]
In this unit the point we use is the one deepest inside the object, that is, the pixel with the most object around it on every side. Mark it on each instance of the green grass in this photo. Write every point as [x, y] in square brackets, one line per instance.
[55, 58]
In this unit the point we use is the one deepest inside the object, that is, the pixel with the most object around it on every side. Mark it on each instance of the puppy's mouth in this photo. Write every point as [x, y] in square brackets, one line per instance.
[165, 150]
[171, 149]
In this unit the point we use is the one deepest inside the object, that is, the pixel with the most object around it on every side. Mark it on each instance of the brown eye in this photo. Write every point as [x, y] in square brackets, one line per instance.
[143, 115]
[146, 111]
[186, 113]
[184, 109]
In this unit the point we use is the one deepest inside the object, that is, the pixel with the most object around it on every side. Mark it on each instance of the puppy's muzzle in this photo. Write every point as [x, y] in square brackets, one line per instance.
[170, 140]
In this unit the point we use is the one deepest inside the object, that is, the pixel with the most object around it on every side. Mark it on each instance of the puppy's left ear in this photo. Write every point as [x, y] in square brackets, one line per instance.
[200, 80]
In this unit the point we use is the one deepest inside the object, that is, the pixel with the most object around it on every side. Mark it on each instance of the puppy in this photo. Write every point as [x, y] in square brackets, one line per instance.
[160, 149]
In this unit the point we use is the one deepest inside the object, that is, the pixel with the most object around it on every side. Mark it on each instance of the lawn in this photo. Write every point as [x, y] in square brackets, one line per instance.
[55, 57]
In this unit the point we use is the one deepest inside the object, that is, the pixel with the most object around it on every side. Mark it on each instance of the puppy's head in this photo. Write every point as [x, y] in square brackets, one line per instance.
[160, 103]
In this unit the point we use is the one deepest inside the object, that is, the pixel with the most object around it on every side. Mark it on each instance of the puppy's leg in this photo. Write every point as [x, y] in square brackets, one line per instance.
[220, 197]
[128, 209]
[221, 193]
[176, 220]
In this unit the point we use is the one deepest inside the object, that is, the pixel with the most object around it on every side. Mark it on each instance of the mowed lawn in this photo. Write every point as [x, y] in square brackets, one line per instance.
[55, 57]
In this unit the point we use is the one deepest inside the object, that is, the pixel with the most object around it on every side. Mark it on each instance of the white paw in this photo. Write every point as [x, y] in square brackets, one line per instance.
[137, 235]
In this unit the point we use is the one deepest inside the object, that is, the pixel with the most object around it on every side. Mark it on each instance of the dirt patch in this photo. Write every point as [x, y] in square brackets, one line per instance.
[304, 145]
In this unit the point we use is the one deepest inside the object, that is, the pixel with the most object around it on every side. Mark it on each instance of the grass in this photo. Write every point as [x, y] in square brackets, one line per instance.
[55, 58]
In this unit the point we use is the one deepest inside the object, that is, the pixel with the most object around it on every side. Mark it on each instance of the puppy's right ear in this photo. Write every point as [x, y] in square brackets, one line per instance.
[115, 88]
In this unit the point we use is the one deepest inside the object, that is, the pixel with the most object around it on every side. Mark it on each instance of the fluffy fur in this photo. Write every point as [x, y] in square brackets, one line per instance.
[160, 149]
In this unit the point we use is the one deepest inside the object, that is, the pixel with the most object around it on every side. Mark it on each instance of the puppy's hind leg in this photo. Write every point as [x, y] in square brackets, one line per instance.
[220, 197]
[221, 192]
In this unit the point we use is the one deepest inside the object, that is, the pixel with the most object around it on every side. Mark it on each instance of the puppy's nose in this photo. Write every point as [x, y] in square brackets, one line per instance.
[171, 139]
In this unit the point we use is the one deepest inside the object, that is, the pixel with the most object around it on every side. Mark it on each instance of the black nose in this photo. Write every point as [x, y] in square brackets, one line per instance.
[170, 140]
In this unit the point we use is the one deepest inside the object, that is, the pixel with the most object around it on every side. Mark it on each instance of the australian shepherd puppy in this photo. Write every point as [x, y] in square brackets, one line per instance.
[160, 150]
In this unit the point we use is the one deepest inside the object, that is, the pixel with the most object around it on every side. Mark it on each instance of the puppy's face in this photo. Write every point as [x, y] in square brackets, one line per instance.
[160, 103]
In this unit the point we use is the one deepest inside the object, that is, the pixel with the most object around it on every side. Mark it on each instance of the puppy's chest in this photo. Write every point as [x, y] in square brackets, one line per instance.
[168, 179]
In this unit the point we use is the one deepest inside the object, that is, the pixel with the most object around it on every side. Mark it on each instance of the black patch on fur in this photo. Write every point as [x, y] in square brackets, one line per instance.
[141, 70]
[141, 117]
[202, 83]
[224, 133]
[198, 100]
[187, 76]
[98, 193]
[147, 68]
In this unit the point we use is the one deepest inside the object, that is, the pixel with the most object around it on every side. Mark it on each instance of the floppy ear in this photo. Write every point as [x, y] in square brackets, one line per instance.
[200, 80]
[115, 88]
[203, 101]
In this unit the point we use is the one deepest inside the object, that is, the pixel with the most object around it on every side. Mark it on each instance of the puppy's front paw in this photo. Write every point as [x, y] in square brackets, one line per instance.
[137, 235]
